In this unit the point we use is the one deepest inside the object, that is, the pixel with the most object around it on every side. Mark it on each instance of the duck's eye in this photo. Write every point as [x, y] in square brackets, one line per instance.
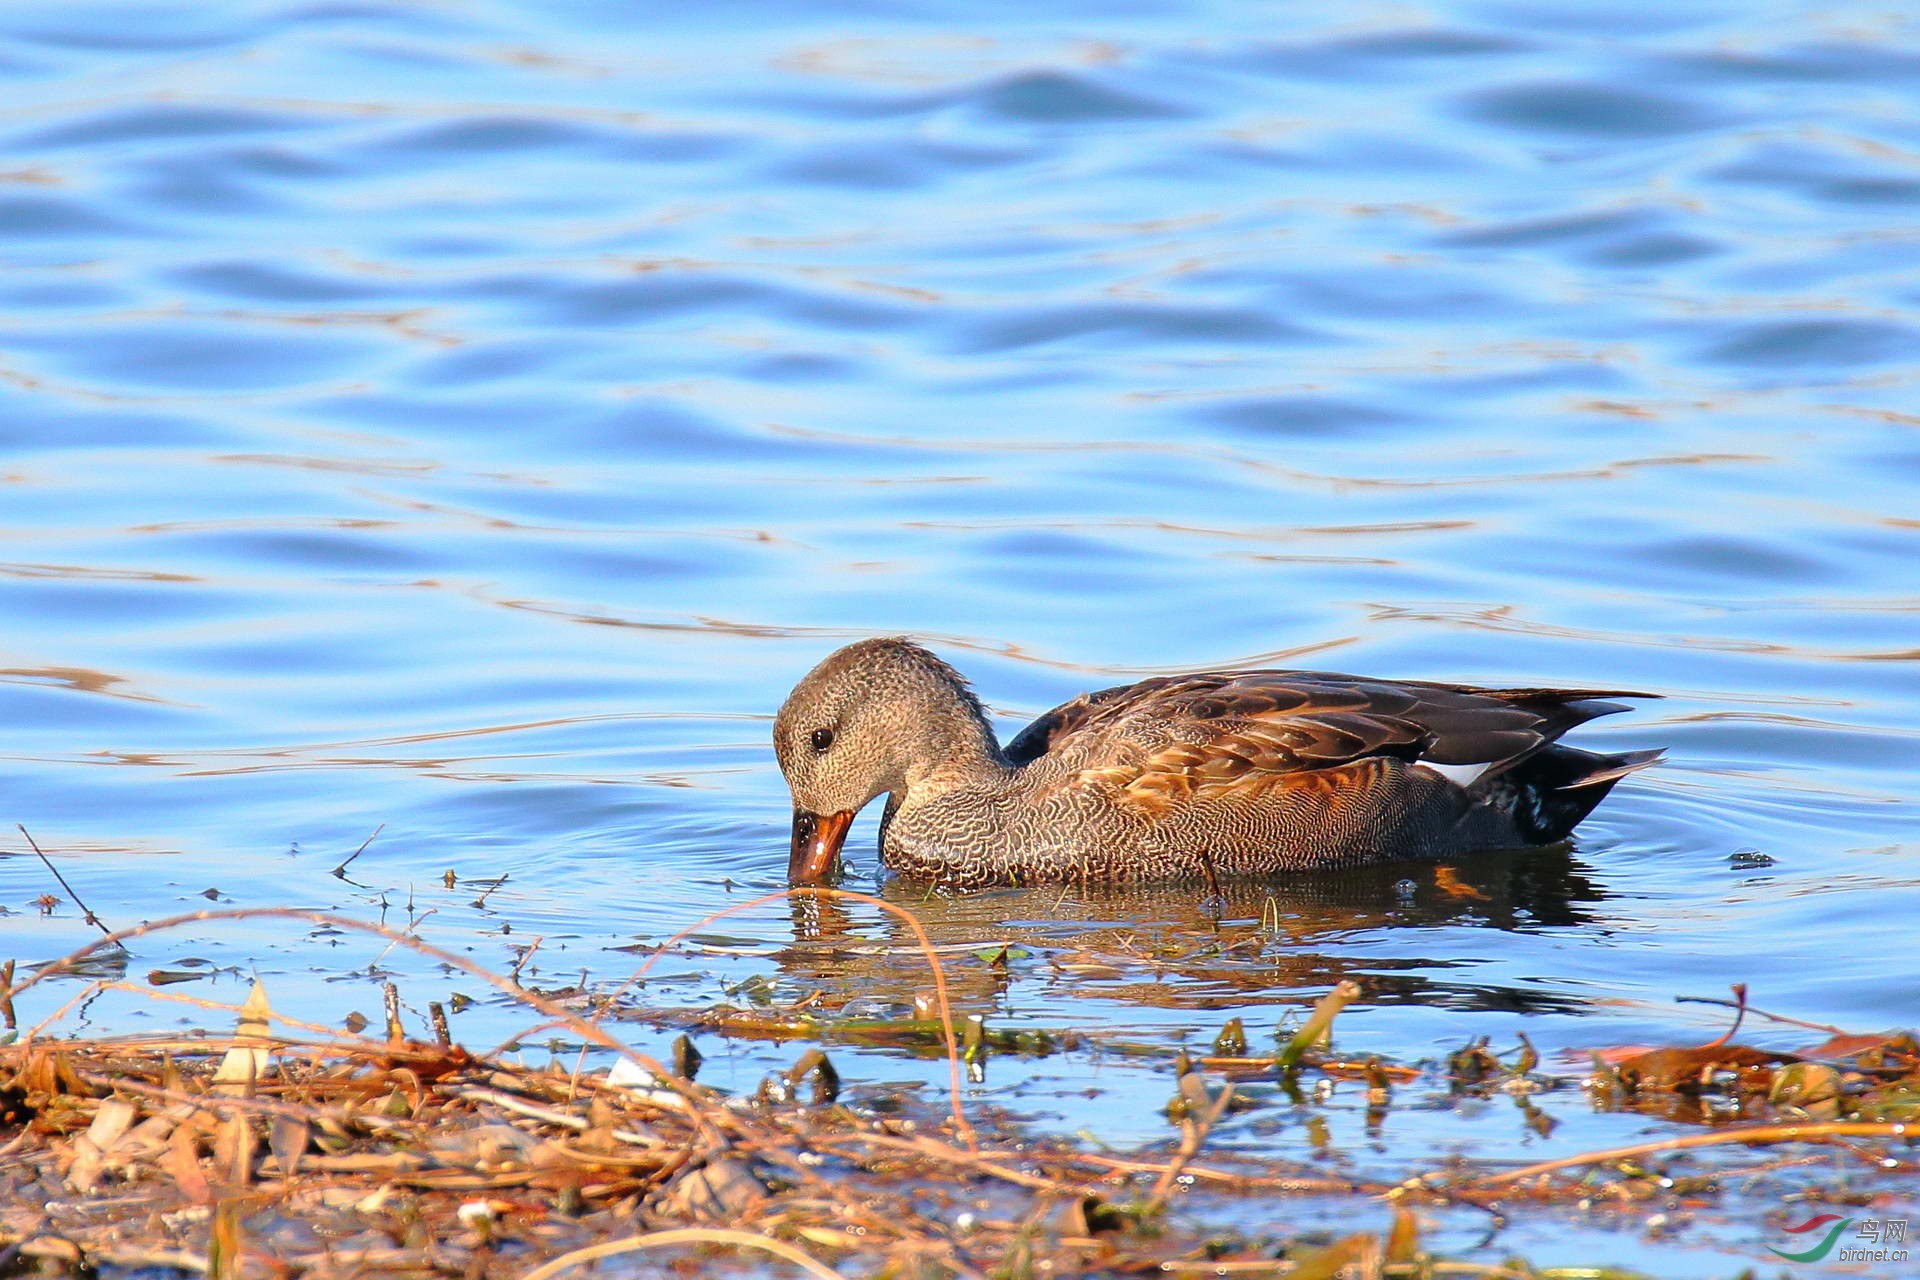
[821, 740]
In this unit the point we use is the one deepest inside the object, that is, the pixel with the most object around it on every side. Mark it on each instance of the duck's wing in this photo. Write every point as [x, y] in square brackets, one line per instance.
[1176, 736]
[1066, 720]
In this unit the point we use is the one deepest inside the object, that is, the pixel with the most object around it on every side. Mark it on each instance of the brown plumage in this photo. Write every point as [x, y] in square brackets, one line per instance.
[1202, 775]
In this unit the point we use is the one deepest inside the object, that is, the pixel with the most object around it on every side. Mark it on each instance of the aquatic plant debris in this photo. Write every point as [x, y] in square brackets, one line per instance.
[284, 1147]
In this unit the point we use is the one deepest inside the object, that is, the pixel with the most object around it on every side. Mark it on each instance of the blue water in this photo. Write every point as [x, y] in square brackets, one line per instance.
[468, 421]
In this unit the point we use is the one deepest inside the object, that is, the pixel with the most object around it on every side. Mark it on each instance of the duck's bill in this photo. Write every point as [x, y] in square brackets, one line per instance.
[816, 846]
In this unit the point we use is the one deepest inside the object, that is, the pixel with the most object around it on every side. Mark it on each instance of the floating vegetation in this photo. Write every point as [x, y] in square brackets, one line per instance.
[285, 1147]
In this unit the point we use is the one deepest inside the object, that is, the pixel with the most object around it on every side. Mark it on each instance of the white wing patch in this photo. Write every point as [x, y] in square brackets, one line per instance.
[1460, 775]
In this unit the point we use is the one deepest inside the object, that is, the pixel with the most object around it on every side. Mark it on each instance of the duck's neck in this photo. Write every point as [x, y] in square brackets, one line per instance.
[955, 748]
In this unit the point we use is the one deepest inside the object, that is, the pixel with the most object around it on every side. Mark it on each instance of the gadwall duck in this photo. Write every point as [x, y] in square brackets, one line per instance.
[1203, 776]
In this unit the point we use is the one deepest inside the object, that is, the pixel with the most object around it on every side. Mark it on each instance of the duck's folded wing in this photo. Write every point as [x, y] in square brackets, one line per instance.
[1183, 735]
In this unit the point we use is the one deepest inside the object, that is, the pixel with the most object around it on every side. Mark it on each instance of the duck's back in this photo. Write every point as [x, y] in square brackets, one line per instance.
[1248, 772]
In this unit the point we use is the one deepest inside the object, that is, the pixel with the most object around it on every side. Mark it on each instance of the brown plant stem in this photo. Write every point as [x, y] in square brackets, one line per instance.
[86, 911]
[1757, 1136]
[682, 1236]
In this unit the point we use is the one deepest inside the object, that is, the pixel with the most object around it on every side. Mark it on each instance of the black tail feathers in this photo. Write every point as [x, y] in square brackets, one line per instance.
[1554, 789]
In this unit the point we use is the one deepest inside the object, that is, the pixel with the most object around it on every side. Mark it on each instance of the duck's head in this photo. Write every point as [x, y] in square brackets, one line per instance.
[876, 717]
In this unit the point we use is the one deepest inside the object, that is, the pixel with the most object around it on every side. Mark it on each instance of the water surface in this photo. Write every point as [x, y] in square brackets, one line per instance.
[468, 421]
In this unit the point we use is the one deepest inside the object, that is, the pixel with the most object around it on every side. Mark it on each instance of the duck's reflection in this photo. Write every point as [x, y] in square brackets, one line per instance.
[1178, 947]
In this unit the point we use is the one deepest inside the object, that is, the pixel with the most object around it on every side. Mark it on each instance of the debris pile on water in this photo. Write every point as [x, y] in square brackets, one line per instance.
[284, 1147]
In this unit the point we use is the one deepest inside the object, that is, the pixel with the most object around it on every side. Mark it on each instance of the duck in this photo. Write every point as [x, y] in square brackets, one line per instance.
[1204, 776]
